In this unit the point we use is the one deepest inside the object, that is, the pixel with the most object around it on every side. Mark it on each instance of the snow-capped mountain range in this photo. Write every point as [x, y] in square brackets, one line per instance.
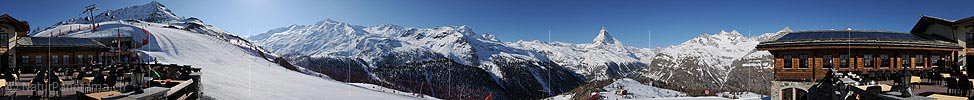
[233, 68]
[706, 59]
[449, 62]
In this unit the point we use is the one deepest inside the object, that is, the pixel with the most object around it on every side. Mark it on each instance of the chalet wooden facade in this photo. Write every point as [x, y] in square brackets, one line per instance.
[958, 31]
[41, 52]
[807, 55]
[21, 51]
[803, 57]
[10, 30]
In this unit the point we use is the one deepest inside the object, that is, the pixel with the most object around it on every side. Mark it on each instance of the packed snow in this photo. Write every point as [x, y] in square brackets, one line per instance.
[629, 89]
[636, 90]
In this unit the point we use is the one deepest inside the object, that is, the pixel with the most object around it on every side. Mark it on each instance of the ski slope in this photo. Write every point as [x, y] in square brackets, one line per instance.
[229, 72]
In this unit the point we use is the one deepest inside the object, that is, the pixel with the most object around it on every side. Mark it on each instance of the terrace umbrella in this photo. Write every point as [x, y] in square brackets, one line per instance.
[155, 74]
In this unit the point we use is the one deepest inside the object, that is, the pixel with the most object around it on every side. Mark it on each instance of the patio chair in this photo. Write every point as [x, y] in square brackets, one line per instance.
[874, 89]
[964, 86]
[936, 78]
[952, 85]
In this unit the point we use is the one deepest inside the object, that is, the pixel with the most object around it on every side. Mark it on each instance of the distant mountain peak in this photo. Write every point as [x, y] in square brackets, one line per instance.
[152, 12]
[605, 39]
[328, 21]
[732, 33]
[786, 29]
[156, 3]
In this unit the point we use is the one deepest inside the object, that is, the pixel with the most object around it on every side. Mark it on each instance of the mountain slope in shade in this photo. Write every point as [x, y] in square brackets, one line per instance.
[233, 69]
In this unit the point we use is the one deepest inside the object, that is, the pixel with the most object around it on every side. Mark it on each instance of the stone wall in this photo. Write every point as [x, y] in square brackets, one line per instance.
[777, 86]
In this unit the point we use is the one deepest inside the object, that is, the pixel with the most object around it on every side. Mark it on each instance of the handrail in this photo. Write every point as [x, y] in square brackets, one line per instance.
[179, 87]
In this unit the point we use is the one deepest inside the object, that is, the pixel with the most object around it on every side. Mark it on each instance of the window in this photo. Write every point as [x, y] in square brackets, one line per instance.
[904, 60]
[826, 61]
[935, 61]
[54, 60]
[67, 60]
[803, 61]
[787, 61]
[80, 59]
[867, 60]
[91, 58]
[969, 38]
[4, 36]
[24, 60]
[844, 61]
[919, 61]
[38, 60]
[884, 61]
[792, 94]
[948, 58]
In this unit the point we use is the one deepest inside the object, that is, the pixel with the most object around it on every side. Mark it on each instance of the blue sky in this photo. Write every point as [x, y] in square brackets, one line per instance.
[671, 22]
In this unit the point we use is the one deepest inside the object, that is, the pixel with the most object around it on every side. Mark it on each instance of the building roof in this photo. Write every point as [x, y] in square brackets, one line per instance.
[58, 42]
[857, 38]
[19, 26]
[926, 21]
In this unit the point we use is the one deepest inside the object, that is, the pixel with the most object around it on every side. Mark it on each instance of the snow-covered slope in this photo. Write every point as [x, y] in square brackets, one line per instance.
[630, 89]
[708, 62]
[636, 90]
[716, 51]
[232, 69]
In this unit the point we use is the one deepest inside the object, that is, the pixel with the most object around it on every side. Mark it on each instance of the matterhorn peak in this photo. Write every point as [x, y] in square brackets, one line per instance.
[787, 29]
[604, 38]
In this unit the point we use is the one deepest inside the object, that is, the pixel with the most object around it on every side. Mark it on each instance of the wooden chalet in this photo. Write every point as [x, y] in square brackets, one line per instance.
[40, 52]
[807, 55]
[10, 30]
[935, 50]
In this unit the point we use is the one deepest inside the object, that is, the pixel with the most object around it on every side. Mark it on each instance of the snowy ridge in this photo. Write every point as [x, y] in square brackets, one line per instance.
[233, 68]
[151, 12]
